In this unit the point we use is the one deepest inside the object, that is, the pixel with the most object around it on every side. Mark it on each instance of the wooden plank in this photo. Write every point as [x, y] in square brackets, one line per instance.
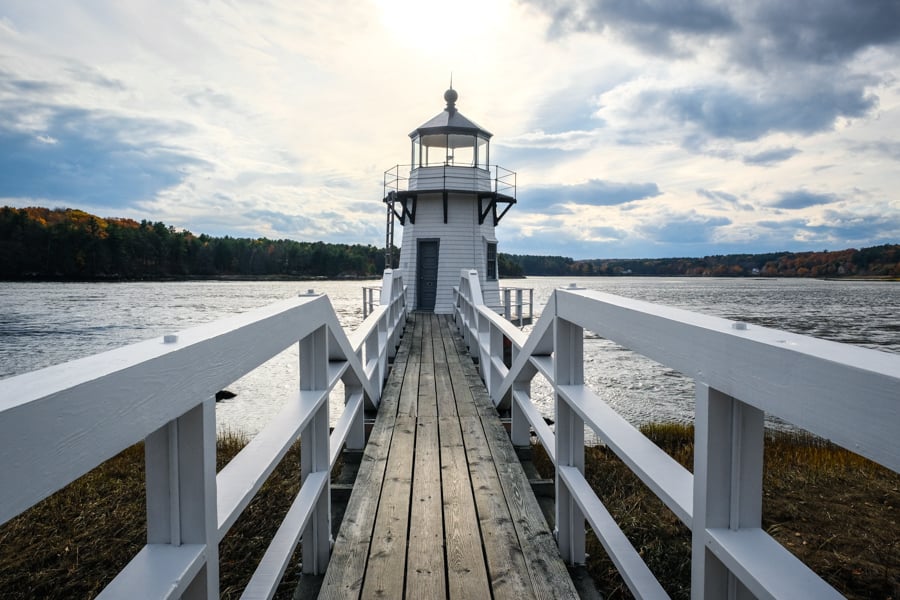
[427, 406]
[346, 568]
[425, 570]
[409, 392]
[446, 397]
[466, 571]
[387, 553]
[427, 340]
[507, 570]
[455, 353]
[548, 573]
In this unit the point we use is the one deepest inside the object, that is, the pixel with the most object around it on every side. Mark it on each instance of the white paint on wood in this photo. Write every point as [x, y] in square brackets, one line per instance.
[158, 571]
[536, 420]
[352, 410]
[765, 566]
[845, 393]
[671, 482]
[462, 246]
[628, 562]
[244, 475]
[271, 568]
[59, 422]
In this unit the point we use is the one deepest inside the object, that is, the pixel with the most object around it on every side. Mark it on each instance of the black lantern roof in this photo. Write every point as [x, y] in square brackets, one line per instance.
[450, 121]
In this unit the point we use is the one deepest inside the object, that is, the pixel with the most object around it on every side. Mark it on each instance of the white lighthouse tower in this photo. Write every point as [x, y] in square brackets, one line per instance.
[449, 206]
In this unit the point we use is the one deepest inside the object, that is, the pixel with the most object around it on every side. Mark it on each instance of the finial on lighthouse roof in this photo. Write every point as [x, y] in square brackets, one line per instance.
[451, 96]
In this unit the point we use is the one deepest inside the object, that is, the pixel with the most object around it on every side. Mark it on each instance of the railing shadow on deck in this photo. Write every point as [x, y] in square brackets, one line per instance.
[847, 394]
[58, 423]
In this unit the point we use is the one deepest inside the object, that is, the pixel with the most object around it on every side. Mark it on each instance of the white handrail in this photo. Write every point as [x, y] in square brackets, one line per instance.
[848, 394]
[58, 423]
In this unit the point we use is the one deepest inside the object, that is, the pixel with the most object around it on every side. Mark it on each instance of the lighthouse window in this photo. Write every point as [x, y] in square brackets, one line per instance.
[491, 272]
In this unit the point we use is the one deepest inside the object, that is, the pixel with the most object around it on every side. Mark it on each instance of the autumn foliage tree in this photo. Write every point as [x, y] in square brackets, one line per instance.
[42, 243]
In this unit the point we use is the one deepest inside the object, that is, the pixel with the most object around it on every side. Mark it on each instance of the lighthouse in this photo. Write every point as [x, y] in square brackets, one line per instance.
[449, 201]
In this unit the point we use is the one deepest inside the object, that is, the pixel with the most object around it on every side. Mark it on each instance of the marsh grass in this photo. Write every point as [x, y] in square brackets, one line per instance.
[73, 543]
[833, 509]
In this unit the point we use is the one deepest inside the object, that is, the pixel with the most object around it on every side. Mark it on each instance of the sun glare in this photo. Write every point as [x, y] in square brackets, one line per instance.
[440, 27]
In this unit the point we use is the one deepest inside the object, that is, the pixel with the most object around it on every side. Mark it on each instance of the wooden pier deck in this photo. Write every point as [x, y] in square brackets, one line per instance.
[441, 507]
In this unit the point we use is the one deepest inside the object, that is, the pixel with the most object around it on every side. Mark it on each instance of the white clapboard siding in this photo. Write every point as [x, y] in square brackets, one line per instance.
[462, 246]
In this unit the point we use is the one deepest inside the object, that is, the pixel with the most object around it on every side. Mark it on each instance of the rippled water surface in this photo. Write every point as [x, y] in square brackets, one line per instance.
[42, 324]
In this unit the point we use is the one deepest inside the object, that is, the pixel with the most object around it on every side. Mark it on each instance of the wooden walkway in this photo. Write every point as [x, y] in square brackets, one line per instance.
[441, 506]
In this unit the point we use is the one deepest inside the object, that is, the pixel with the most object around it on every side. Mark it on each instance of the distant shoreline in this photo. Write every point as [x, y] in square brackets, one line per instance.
[287, 278]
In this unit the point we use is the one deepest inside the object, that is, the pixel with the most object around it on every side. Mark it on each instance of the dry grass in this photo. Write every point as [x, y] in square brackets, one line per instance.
[833, 509]
[72, 544]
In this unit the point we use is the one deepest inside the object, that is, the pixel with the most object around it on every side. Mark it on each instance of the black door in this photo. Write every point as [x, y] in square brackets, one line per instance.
[427, 274]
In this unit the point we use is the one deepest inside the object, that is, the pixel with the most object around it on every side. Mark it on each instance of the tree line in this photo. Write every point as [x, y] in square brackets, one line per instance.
[876, 261]
[42, 243]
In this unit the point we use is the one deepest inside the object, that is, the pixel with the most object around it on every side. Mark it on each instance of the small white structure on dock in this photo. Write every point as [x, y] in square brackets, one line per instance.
[449, 206]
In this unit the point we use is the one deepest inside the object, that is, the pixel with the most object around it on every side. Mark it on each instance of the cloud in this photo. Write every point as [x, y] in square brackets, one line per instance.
[594, 192]
[834, 229]
[802, 199]
[649, 24]
[13, 84]
[822, 32]
[89, 158]
[730, 200]
[769, 157]
[566, 140]
[757, 33]
[690, 228]
[728, 112]
[888, 148]
[281, 222]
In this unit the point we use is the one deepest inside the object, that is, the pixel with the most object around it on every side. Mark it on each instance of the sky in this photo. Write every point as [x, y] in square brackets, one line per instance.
[637, 128]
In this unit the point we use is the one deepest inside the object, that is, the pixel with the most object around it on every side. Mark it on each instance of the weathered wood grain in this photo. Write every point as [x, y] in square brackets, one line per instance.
[507, 570]
[407, 403]
[548, 573]
[446, 393]
[466, 570]
[447, 511]
[387, 553]
[346, 568]
[426, 568]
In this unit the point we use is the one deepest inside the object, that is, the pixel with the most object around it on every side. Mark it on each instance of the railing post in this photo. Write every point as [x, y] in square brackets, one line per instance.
[519, 428]
[314, 451]
[568, 370]
[180, 461]
[519, 305]
[507, 312]
[728, 466]
[495, 350]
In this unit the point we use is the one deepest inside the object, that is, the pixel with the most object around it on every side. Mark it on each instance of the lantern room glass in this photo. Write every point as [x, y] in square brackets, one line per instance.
[450, 149]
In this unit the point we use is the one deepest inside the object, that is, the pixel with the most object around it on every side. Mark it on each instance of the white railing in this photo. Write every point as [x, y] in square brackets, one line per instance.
[58, 423]
[518, 304]
[847, 394]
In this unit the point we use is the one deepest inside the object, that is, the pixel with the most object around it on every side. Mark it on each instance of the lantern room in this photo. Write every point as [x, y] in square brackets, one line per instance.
[450, 139]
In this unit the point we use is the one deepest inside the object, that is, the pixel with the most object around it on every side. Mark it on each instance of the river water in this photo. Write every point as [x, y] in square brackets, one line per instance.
[42, 324]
